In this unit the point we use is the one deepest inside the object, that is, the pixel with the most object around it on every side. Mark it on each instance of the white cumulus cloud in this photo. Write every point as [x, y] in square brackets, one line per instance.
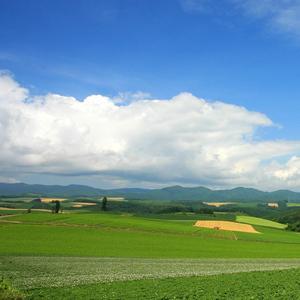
[184, 139]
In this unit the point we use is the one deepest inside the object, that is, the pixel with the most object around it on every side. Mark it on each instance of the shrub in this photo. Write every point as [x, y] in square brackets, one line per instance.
[7, 292]
[294, 226]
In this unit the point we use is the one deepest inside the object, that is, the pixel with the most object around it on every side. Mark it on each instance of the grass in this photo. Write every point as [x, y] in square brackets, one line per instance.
[259, 221]
[271, 235]
[16, 199]
[128, 222]
[107, 220]
[185, 216]
[11, 212]
[121, 256]
[254, 285]
[110, 235]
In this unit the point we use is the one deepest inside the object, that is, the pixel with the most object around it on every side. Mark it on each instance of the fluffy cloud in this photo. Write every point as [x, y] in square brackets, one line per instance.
[180, 140]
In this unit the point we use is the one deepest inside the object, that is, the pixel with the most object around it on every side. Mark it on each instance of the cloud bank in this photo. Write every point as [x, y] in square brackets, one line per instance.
[185, 140]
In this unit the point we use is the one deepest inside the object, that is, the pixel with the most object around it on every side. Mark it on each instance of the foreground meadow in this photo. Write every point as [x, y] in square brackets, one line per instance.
[253, 285]
[31, 272]
[121, 256]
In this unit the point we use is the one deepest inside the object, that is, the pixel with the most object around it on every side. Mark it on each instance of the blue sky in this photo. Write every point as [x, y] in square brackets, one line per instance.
[237, 52]
[156, 47]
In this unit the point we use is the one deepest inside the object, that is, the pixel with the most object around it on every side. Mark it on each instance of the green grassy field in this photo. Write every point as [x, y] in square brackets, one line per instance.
[130, 236]
[99, 255]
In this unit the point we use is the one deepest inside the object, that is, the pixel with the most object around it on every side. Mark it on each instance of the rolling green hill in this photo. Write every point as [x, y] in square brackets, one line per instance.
[85, 234]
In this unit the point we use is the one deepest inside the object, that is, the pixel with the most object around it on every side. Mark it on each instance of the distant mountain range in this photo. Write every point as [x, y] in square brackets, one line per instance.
[168, 193]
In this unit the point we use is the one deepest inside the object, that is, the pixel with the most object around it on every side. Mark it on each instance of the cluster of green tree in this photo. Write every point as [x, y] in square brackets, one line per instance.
[260, 211]
[292, 218]
[165, 207]
[294, 226]
[151, 207]
[54, 206]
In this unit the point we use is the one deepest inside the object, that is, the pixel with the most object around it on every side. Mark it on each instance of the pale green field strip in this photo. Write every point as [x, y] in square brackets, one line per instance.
[34, 272]
[259, 222]
[293, 204]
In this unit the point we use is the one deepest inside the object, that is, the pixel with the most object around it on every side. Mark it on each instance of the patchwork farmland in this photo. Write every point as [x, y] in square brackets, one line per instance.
[85, 249]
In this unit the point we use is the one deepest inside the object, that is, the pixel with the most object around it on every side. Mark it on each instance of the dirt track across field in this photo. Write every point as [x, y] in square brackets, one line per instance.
[226, 225]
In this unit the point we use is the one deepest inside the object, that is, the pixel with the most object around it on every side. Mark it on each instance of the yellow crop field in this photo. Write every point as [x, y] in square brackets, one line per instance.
[49, 200]
[226, 225]
[217, 204]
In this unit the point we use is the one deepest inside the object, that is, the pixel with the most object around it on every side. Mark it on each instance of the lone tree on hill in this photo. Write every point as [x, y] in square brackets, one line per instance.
[104, 204]
[56, 208]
